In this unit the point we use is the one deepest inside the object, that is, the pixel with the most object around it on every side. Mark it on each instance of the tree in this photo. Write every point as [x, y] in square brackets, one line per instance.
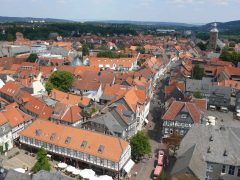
[198, 95]
[202, 46]
[140, 145]
[32, 57]
[42, 161]
[198, 72]
[141, 50]
[229, 54]
[162, 176]
[85, 50]
[61, 80]
[140, 62]
[10, 37]
[111, 54]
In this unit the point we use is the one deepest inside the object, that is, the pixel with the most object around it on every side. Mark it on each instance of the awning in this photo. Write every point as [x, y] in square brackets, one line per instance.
[76, 172]
[70, 169]
[127, 168]
[87, 173]
[21, 170]
[62, 165]
[105, 177]
[146, 121]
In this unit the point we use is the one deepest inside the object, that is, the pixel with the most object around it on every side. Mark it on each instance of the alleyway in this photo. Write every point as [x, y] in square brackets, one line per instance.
[145, 169]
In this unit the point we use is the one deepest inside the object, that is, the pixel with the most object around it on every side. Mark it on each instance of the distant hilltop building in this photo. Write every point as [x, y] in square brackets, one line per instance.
[213, 37]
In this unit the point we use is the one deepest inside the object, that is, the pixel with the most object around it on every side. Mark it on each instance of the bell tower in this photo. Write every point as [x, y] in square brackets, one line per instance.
[213, 37]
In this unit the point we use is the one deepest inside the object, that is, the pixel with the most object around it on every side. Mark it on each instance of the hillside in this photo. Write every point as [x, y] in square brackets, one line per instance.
[5, 19]
[227, 26]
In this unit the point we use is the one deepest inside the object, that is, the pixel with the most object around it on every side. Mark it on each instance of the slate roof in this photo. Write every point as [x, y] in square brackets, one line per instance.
[12, 174]
[208, 144]
[50, 176]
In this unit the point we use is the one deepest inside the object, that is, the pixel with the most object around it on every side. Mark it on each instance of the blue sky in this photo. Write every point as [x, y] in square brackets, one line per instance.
[189, 11]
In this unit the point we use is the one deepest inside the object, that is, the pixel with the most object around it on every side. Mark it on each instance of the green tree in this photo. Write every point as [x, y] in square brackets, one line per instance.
[198, 95]
[202, 46]
[61, 80]
[10, 37]
[32, 57]
[198, 72]
[141, 50]
[111, 54]
[228, 54]
[140, 62]
[42, 161]
[140, 145]
[85, 50]
[162, 176]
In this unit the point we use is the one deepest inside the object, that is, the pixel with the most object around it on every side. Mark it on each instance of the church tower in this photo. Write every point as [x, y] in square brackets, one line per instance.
[213, 37]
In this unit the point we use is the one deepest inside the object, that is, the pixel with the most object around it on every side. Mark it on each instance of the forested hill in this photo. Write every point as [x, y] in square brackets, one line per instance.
[4, 19]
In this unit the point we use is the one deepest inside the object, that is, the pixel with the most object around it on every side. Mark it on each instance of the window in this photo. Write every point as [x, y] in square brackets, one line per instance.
[184, 116]
[181, 132]
[166, 131]
[68, 139]
[38, 132]
[84, 144]
[209, 168]
[238, 174]
[231, 170]
[223, 168]
[101, 149]
[208, 178]
[52, 136]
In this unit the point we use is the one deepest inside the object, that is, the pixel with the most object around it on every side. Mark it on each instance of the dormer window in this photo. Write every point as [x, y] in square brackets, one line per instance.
[52, 137]
[101, 149]
[38, 132]
[68, 139]
[84, 144]
[184, 116]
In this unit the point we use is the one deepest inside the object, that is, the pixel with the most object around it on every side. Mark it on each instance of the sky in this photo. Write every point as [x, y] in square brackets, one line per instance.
[187, 11]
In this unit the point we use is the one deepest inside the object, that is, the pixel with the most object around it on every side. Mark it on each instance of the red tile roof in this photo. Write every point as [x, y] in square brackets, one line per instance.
[39, 108]
[10, 88]
[195, 109]
[94, 140]
[69, 99]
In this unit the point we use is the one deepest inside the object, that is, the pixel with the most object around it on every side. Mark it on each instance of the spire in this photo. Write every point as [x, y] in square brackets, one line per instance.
[214, 29]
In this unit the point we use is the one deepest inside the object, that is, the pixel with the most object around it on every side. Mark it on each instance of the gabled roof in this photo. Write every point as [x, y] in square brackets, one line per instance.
[15, 116]
[39, 108]
[111, 91]
[195, 110]
[68, 113]
[132, 97]
[10, 88]
[69, 99]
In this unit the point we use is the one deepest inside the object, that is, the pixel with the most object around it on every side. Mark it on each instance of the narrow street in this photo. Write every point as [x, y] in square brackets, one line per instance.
[145, 169]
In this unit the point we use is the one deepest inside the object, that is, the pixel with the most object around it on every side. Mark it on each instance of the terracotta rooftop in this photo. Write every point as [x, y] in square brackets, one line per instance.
[69, 99]
[77, 136]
